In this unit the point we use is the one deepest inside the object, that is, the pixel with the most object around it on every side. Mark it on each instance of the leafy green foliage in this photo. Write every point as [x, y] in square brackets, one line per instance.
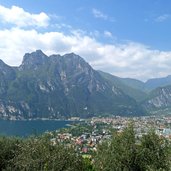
[122, 153]
[126, 154]
[38, 153]
[154, 152]
[79, 129]
[8, 149]
[88, 164]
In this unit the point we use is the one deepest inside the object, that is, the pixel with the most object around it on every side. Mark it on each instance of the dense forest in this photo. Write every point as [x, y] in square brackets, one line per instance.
[124, 152]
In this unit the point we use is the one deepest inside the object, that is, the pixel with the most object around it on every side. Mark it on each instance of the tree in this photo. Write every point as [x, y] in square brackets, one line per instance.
[8, 150]
[88, 164]
[154, 152]
[40, 154]
[123, 153]
[118, 154]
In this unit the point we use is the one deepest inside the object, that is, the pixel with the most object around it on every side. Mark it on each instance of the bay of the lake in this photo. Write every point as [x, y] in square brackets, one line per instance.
[30, 127]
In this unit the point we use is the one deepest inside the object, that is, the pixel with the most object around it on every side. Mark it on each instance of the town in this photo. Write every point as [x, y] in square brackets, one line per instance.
[85, 135]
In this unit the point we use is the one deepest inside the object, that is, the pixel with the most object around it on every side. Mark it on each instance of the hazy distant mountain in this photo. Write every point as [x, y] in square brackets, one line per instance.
[59, 87]
[136, 84]
[132, 87]
[159, 100]
[154, 95]
[158, 82]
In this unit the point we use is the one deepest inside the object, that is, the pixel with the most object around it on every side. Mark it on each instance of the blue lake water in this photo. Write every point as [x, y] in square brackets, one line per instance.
[26, 128]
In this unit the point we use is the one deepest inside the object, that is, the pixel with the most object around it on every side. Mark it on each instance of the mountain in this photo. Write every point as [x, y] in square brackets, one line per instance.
[6, 74]
[59, 87]
[136, 84]
[151, 84]
[131, 87]
[154, 95]
[159, 101]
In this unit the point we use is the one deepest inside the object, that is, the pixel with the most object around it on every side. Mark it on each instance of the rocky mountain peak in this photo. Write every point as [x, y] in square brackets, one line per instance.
[2, 64]
[33, 60]
[60, 87]
[6, 70]
[70, 64]
[76, 62]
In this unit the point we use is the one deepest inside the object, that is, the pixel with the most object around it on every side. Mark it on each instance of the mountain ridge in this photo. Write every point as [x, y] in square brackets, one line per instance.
[61, 87]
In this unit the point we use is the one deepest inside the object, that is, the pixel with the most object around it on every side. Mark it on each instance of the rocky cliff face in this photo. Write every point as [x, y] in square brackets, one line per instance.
[59, 87]
[159, 100]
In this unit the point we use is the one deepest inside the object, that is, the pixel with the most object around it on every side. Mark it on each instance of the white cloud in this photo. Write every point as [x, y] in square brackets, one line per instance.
[17, 16]
[162, 18]
[108, 34]
[129, 59]
[99, 14]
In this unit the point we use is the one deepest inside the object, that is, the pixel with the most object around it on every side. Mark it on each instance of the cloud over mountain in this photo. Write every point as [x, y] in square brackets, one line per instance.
[126, 59]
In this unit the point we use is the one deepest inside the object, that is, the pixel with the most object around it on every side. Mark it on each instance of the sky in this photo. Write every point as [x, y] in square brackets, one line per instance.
[127, 38]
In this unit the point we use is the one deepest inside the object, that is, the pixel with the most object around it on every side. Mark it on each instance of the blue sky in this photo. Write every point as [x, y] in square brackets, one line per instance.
[128, 38]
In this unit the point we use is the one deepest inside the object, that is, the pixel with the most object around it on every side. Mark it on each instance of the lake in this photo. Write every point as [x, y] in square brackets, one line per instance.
[26, 128]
